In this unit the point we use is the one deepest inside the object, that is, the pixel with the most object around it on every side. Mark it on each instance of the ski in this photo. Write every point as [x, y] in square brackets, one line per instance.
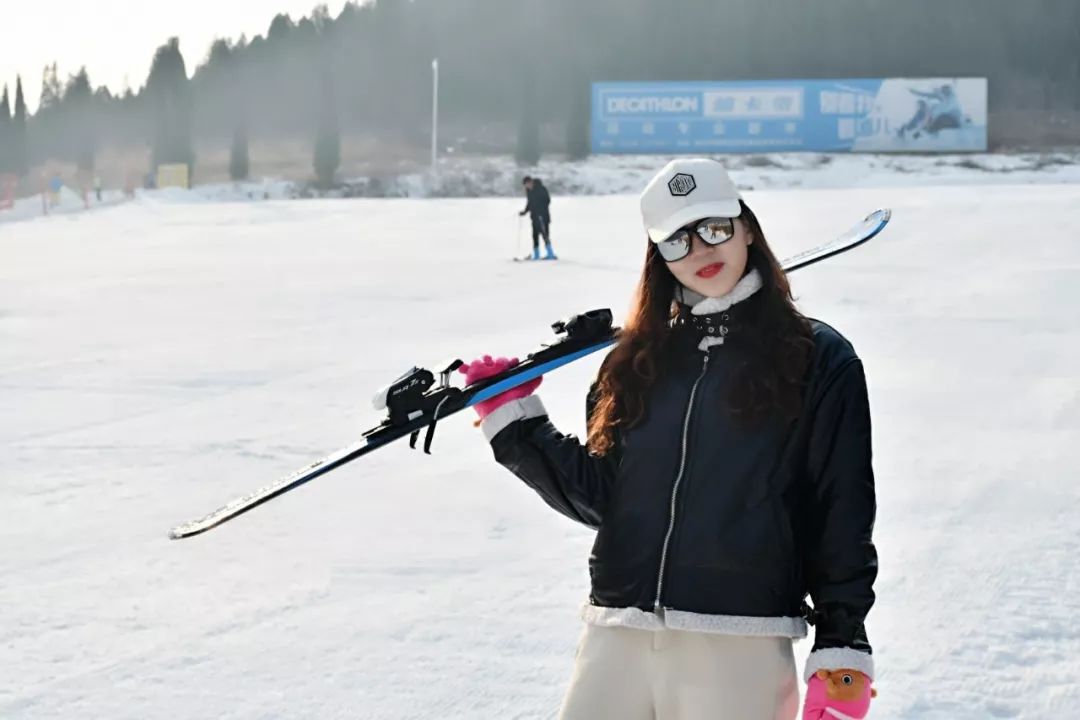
[414, 402]
[871, 225]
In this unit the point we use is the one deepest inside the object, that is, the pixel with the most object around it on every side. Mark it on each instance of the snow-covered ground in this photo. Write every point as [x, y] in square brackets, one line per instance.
[498, 176]
[160, 357]
[68, 202]
[615, 174]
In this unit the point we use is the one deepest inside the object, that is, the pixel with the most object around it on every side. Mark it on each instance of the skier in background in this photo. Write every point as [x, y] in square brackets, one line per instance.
[56, 184]
[727, 474]
[538, 209]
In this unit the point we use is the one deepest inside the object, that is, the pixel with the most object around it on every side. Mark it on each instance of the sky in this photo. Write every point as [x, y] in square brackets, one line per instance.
[116, 39]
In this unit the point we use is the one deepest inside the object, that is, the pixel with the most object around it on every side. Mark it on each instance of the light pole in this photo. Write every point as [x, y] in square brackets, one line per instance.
[434, 112]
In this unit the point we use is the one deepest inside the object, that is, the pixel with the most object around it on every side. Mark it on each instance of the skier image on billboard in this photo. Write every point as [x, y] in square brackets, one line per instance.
[938, 109]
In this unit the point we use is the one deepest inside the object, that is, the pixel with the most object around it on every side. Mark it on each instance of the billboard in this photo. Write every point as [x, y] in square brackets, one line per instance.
[890, 115]
[173, 175]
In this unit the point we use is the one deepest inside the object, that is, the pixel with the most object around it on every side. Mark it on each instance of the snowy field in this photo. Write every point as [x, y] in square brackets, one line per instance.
[159, 357]
[498, 176]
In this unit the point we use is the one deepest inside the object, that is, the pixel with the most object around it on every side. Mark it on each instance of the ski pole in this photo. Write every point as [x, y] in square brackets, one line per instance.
[517, 253]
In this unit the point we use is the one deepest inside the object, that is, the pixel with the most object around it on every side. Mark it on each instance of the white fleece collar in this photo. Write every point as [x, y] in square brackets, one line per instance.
[701, 305]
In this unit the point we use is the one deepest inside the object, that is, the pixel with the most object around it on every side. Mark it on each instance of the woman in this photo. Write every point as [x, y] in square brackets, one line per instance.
[727, 473]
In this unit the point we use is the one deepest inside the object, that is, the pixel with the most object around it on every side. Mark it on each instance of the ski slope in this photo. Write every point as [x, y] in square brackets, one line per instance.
[159, 358]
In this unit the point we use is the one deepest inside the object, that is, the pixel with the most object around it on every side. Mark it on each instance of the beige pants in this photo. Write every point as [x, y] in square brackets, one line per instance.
[627, 674]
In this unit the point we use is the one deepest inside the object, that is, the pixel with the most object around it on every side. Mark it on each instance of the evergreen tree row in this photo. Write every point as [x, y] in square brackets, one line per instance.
[520, 70]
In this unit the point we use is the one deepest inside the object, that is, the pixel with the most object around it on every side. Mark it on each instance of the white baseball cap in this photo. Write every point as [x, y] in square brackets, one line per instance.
[686, 190]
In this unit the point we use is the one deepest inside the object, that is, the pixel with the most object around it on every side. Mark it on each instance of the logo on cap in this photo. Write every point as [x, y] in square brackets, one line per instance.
[681, 185]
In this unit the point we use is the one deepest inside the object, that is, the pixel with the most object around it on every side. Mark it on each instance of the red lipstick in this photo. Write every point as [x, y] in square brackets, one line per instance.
[710, 270]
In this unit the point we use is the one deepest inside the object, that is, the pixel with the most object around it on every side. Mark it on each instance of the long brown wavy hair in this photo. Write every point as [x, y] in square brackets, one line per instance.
[777, 335]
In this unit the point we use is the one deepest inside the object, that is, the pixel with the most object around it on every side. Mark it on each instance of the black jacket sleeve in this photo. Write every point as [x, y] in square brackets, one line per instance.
[558, 467]
[842, 560]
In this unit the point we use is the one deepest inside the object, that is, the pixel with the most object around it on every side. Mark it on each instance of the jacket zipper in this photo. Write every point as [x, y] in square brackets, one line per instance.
[678, 481]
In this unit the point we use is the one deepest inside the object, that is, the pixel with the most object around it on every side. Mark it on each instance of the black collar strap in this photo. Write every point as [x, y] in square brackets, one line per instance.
[713, 328]
[717, 325]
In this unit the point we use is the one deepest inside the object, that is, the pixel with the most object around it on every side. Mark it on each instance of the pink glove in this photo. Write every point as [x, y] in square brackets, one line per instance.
[485, 367]
[838, 695]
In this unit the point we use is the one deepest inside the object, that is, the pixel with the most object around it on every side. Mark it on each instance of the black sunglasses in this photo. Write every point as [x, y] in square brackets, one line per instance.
[712, 231]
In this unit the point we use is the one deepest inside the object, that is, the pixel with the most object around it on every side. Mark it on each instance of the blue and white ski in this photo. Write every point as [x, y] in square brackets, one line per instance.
[414, 402]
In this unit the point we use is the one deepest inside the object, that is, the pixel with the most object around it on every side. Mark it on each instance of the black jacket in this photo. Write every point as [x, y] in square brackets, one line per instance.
[760, 518]
[539, 201]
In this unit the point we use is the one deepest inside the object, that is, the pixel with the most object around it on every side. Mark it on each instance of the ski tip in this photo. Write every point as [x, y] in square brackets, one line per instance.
[881, 218]
[882, 215]
[186, 530]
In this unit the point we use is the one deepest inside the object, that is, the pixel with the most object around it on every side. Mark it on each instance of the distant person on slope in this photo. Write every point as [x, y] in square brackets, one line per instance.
[538, 208]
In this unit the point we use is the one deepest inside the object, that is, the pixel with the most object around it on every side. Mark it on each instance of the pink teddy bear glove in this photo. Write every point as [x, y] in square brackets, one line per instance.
[838, 695]
[484, 368]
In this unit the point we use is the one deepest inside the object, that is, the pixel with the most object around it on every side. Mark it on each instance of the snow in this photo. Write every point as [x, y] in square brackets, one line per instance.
[473, 176]
[68, 202]
[161, 357]
[615, 174]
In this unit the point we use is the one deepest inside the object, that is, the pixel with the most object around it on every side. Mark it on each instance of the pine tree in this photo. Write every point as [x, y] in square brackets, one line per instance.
[168, 88]
[20, 157]
[578, 140]
[51, 90]
[328, 139]
[239, 167]
[78, 100]
[6, 132]
[528, 140]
